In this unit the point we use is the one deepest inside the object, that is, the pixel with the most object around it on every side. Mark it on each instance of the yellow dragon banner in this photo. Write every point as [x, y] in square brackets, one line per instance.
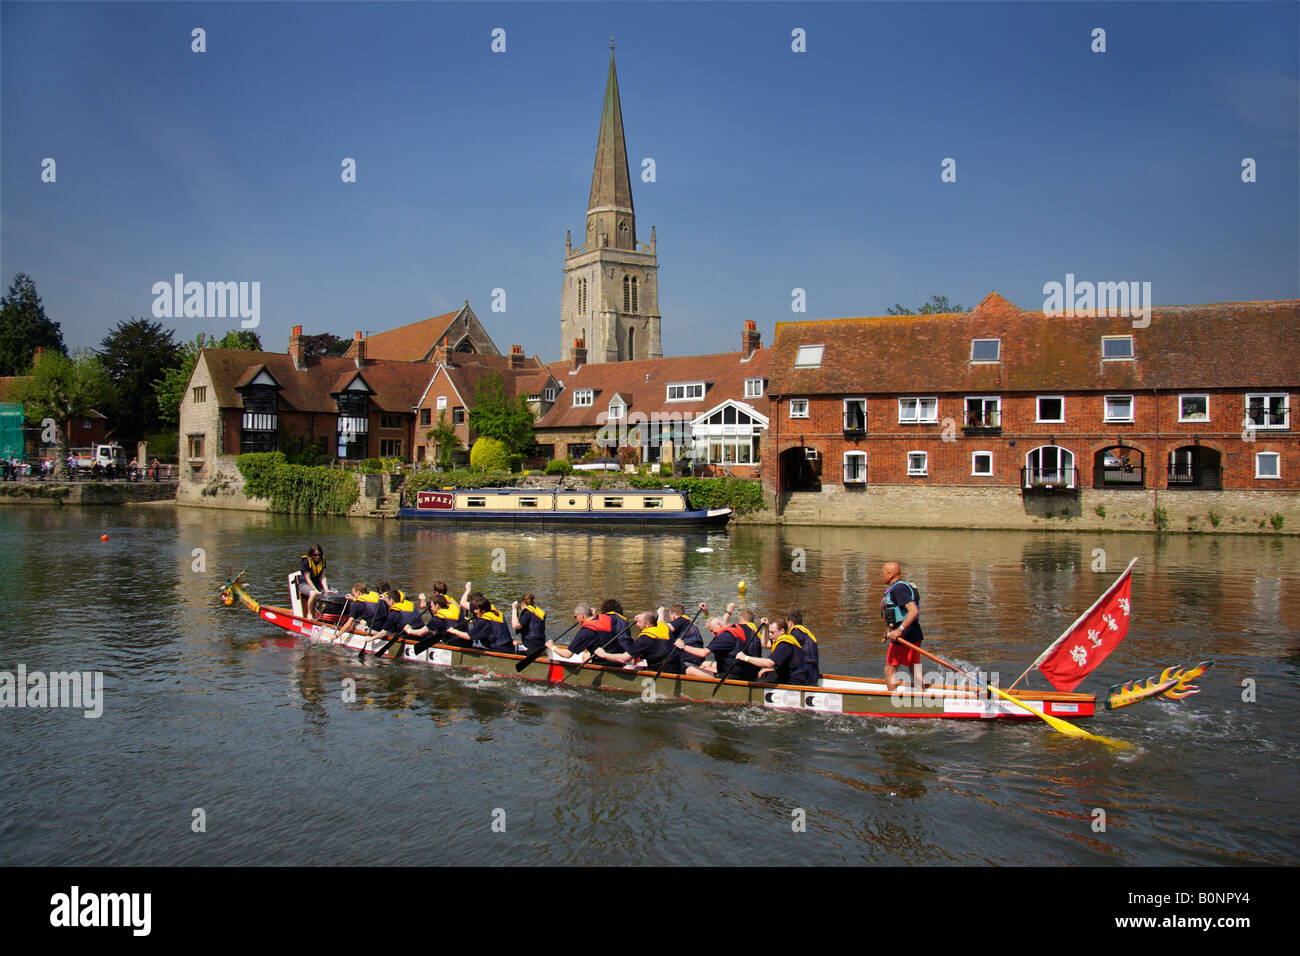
[1174, 683]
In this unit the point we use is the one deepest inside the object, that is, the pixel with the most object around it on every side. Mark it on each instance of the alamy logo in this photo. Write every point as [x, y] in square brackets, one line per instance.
[75, 908]
[79, 690]
[213, 300]
[1087, 299]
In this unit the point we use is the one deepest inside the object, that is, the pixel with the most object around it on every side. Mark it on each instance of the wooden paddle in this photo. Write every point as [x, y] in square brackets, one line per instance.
[343, 614]
[533, 655]
[1057, 723]
[669, 655]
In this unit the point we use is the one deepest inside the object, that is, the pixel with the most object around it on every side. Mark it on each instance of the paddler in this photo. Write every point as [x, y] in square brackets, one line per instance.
[594, 630]
[312, 583]
[529, 621]
[401, 614]
[807, 643]
[486, 630]
[683, 628]
[785, 662]
[653, 643]
[363, 607]
[901, 609]
[728, 639]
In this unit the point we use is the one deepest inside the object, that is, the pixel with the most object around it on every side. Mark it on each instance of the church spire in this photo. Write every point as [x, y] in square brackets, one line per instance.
[611, 220]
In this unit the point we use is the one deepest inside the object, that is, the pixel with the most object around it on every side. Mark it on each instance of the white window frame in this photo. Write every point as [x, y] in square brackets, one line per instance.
[549, 395]
[845, 412]
[992, 361]
[809, 356]
[1277, 465]
[1132, 352]
[1204, 395]
[442, 403]
[753, 388]
[924, 471]
[801, 412]
[862, 455]
[984, 399]
[918, 420]
[1107, 416]
[686, 388]
[1286, 410]
[976, 472]
[1038, 410]
[583, 397]
[616, 411]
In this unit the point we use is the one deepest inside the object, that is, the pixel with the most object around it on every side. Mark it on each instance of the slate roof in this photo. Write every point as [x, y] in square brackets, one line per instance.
[1225, 345]
[644, 384]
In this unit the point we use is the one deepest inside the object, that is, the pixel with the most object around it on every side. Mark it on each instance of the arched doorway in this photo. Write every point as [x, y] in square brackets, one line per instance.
[1049, 466]
[1119, 466]
[800, 469]
[1195, 466]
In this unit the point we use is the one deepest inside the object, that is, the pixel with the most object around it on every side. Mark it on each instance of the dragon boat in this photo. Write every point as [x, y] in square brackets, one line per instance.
[836, 694]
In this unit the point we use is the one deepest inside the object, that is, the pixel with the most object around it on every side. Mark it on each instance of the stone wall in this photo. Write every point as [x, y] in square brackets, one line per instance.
[900, 506]
[57, 493]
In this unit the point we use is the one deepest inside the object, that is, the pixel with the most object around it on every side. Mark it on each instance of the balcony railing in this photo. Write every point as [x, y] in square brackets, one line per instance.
[1267, 418]
[1204, 479]
[1119, 476]
[989, 423]
[1048, 479]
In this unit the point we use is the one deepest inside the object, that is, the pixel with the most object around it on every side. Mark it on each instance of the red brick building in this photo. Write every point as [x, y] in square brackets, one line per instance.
[1199, 399]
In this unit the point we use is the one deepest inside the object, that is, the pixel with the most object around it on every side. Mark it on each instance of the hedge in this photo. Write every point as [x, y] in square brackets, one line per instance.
[297, 489]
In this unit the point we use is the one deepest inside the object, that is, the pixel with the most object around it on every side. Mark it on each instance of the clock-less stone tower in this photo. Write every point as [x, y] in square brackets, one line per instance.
[611, 287]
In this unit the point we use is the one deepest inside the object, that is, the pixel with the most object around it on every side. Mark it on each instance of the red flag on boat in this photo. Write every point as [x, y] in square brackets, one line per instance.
[1088, 640]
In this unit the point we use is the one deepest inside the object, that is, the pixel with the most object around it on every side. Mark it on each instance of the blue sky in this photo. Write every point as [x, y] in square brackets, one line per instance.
[775, 170]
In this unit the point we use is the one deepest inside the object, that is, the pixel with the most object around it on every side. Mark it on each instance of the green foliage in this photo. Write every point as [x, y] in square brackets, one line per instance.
[1101, 511]
[559, 466]
[489, 454]
[1215, 518]
[24, 327]
[508, 420]
[445, 441]
[425, 480]
[1160, 517]
[169, 389]
[515, 463]
[324, 344]
[136, 354]
[164, 444]
[1277, 521]
[245, 339]
[936, 304]
[62, 388]
[371, 466]
[297, 489]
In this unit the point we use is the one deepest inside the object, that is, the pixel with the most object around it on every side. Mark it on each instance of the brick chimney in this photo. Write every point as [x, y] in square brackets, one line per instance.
[750, 340]
[297, 351]
[442, 353]
[359, 350]
[517, 356]
[578, 356]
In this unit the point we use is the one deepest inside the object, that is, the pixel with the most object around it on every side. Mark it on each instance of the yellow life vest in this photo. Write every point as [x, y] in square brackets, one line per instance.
[493, 615]
[660, 632]
[786, 639]
[449, 613]
[316, 567]
[800, 627]
[403, 605]
[370, 597]
[537, 612]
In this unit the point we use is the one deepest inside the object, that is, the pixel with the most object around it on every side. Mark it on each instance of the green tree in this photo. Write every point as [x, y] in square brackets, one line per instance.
[24, 327]
[506, 419]
[444, 439]
[240, 339]
[489, 454]
[135, 355]
[170, 388]
[937, 303]
[61, 389]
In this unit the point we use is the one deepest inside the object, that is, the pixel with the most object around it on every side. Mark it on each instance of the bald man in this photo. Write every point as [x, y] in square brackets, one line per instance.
[900, 607]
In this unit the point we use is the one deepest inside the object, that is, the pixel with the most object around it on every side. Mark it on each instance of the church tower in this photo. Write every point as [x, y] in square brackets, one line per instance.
[611, 288]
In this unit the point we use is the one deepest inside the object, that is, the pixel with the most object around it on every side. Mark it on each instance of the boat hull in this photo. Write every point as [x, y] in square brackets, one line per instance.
[558, 519]
[857, 696]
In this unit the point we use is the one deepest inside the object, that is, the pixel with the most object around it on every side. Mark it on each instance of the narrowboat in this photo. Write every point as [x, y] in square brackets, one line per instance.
[637, 509]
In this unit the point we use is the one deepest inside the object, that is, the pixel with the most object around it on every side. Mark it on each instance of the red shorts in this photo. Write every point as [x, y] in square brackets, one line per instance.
[901, 656]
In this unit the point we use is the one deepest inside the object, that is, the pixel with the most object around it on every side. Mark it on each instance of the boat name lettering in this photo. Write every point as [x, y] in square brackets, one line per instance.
[434, 500]
[782, 698]
[439, 655]
[826, 703]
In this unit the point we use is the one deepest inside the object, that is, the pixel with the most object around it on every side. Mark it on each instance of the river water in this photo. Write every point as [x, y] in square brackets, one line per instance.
[222, 742]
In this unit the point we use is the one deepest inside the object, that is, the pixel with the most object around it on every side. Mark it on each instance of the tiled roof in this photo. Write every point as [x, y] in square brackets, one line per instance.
[1225, 345]
[397, 385]
[409, 343]
[648, 380]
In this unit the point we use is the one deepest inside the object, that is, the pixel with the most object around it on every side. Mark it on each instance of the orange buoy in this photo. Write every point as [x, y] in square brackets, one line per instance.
[103, 537]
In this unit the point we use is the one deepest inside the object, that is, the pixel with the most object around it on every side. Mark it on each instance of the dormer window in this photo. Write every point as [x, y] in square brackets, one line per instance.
[685, 391]
[809, 356]
[1117, 348]
[985, 351]
[548, 395]
[617, 410]
[583, 397]
[753, 388]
